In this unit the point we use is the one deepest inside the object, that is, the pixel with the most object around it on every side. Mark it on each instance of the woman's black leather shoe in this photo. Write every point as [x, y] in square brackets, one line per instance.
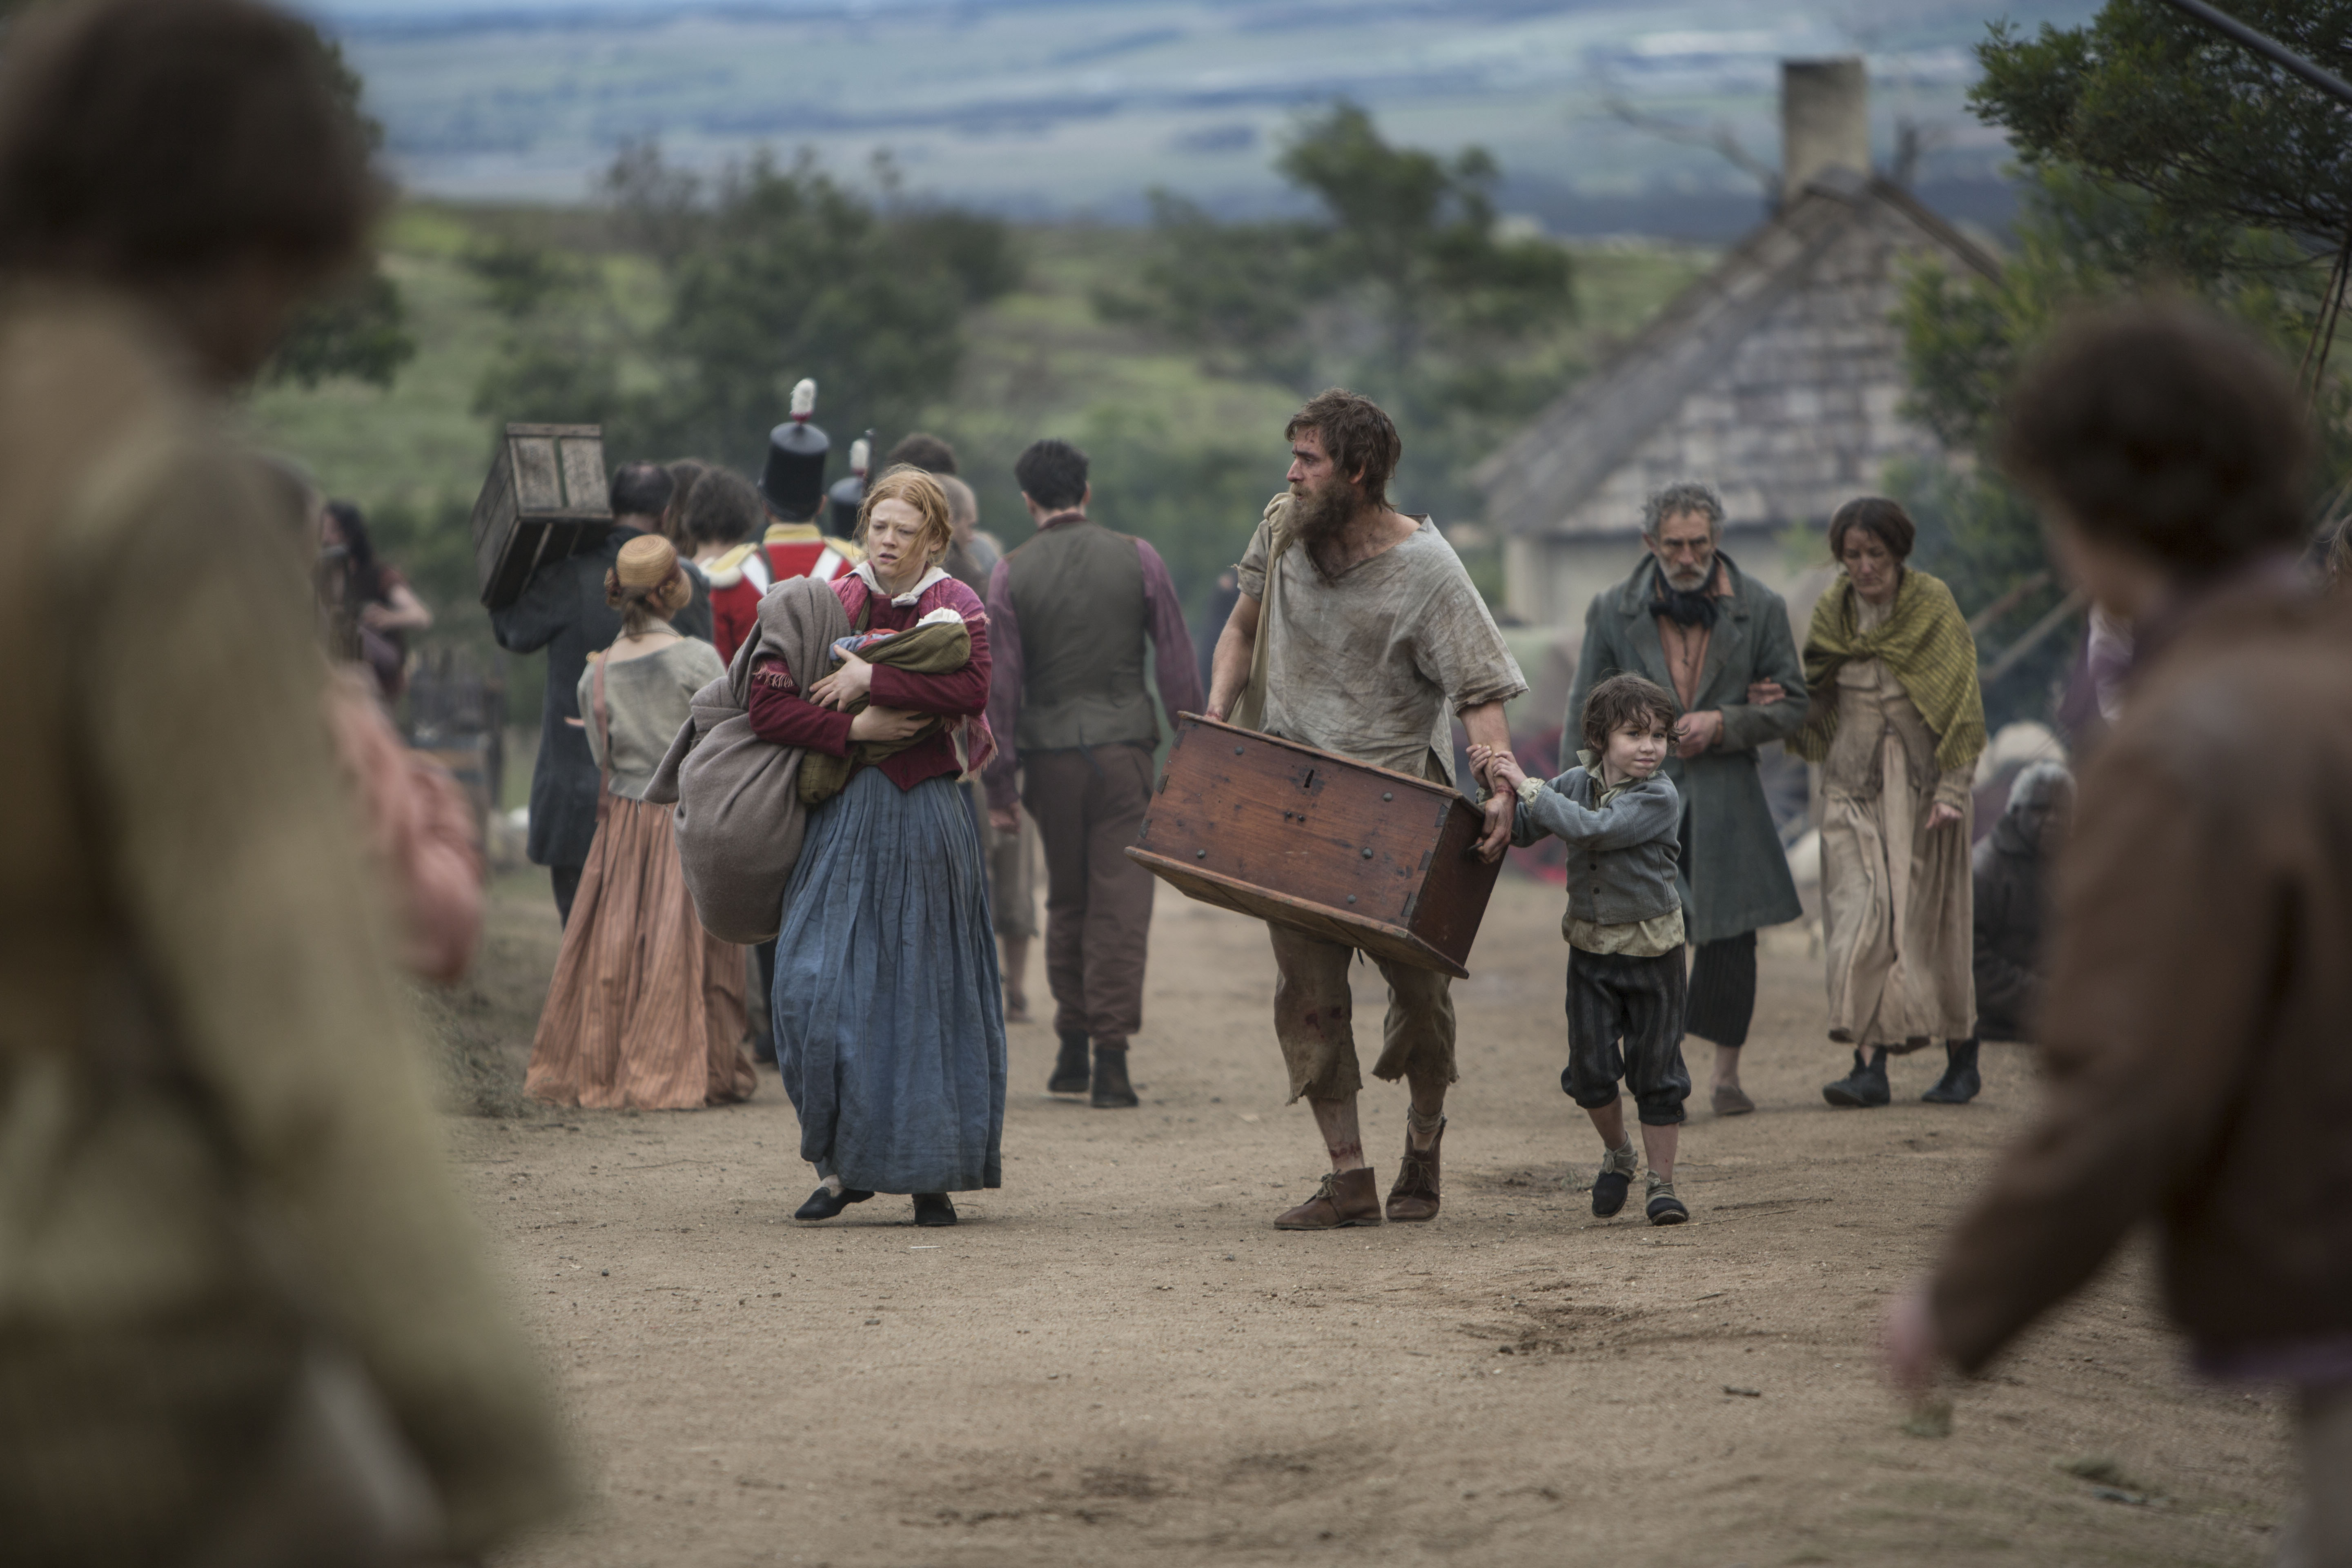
[824, 1203]
[934, 1208]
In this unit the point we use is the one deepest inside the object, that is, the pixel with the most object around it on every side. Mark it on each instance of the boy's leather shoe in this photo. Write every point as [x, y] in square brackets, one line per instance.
[1415, 1196]
[1616, 1177]
[1663, 1207]
[1346, 1197]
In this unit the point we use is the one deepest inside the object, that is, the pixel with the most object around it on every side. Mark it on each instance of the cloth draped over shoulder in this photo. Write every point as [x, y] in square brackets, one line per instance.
[940, 642]
[1249, 707]
[1924, 641]
[740, 813]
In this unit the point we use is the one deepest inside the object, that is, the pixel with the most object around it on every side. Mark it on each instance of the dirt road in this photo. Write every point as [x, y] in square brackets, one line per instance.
[1115, 1360]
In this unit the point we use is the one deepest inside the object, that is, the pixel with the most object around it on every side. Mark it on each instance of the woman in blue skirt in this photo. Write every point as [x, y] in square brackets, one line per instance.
[889, 1032]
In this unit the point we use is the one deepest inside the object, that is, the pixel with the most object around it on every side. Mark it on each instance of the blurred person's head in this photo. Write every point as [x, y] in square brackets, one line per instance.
[646, 583]
[922, 450]
[1871, 537]
[2335, 566]
[1052, 476]
[2165, 447]
[640, 494]
[194, 152]
[903, 524]
[724, 509]
[1681, 525]
[963, 508]
[1343, 452]
[343, 526]
[2042, 804]
[685, 473]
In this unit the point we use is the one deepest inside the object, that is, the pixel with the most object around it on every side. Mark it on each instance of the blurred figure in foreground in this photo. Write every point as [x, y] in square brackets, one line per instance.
[2011, 866]
[419, 831]
[2194, 1022]
[243, 1317]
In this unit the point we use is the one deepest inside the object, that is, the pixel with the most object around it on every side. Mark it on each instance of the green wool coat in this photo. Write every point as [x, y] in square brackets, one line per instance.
[1735, 876]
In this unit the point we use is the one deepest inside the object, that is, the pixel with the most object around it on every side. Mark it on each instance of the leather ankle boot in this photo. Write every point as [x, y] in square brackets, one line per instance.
[1414, 1198]
[1112, 1091]
[1960, 1081]
[1865, 1086]
[1345, 1198]
[1070, 1066]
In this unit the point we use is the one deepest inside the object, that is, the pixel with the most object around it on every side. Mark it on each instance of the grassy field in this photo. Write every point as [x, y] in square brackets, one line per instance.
[1040, 362]
[1163, 430]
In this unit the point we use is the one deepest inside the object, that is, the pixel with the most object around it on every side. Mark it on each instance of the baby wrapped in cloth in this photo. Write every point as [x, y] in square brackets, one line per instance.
[935, 645]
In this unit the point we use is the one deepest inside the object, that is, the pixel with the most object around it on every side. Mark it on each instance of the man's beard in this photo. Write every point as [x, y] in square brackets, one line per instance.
[1319, 514]
[1686, 607]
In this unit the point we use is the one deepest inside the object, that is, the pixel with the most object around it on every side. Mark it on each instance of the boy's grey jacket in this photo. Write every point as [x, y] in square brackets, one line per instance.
[1621, 857]
[1738, 876]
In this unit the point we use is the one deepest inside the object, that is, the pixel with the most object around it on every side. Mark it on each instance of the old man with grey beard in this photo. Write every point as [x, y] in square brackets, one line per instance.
[1374, 641]
[1691, 620]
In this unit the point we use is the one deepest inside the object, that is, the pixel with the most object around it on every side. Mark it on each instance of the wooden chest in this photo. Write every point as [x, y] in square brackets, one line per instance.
[1379, 861]
[546, 500]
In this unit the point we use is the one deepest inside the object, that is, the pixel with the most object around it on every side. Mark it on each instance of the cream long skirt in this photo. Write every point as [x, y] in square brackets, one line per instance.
[1898, 904]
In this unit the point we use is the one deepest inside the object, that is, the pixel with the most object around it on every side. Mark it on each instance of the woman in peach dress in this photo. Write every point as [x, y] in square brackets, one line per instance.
[646, 1007]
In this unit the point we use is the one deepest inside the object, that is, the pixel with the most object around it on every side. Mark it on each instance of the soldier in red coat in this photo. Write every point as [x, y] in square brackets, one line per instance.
[793, 487]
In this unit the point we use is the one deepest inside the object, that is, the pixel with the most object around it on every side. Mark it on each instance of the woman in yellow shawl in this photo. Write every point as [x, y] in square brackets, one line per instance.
[1897, 722]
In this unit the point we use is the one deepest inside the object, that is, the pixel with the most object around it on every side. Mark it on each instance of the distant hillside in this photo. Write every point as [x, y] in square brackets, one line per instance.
[1046, 109]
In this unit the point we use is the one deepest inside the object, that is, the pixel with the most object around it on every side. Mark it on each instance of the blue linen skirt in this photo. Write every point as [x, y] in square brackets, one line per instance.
[890, 1027]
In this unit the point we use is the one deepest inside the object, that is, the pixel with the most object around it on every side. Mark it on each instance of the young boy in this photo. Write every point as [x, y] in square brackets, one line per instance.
[1622, 822]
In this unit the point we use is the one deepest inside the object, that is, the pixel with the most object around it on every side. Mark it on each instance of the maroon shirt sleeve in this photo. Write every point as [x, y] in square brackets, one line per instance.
[956, 694]
[1004, 688]
[1177, 671]
[779, 713]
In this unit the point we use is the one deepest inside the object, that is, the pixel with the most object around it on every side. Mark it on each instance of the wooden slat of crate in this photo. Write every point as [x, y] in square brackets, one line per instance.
[544, 500]
[1380, 860]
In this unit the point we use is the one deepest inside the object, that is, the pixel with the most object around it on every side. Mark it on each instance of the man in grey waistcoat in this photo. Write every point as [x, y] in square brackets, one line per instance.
[1691, 620]
[1068, 615]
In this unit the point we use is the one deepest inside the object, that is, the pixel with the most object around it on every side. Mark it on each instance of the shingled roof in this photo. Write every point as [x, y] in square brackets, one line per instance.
[1777, 377]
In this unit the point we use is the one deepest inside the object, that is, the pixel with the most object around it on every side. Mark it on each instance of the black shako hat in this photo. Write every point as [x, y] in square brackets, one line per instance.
[793, 482]
[849, 492]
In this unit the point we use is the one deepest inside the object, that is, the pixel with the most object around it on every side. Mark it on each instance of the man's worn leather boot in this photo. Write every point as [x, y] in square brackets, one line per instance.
[1415, 1196]
[1346, 1197]
[1070, 1066]
[1112, 1091]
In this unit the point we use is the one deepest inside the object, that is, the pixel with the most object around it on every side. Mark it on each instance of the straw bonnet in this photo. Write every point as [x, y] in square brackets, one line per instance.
[646, 562]
[647, 571]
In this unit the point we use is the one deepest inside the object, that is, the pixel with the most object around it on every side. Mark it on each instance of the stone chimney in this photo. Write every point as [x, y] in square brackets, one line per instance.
[1824, 121]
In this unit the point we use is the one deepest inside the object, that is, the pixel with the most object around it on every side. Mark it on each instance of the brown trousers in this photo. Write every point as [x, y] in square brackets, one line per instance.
[1313, 1019]
[1089, 807]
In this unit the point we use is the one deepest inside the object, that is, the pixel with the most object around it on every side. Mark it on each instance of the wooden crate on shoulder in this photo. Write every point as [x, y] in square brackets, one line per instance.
[546, 500]
[1379, 861]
